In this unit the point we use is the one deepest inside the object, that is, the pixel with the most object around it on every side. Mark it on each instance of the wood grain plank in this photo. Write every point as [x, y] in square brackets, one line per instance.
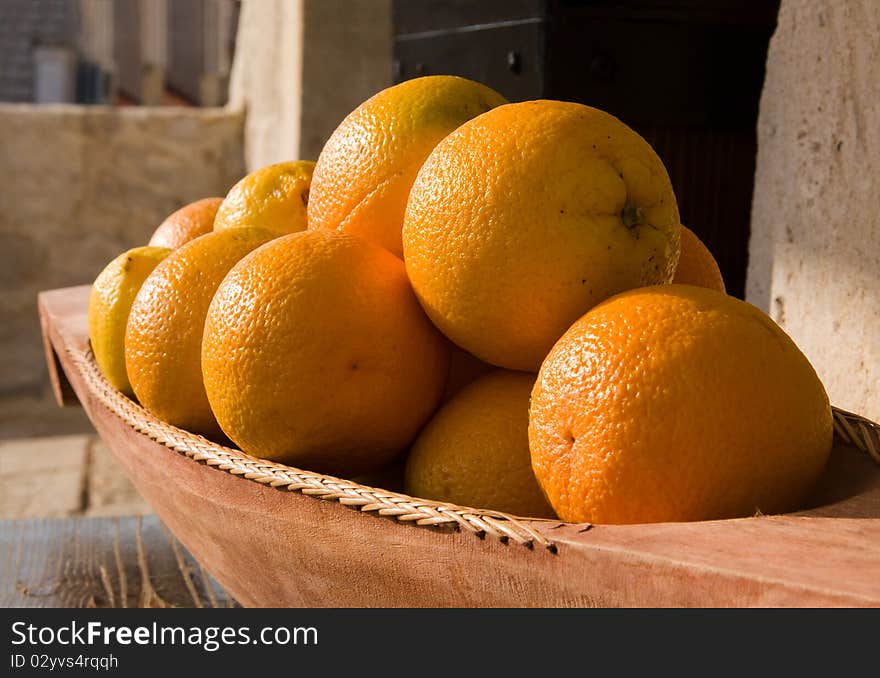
[100, 562]
[61, 388]
[42, 477]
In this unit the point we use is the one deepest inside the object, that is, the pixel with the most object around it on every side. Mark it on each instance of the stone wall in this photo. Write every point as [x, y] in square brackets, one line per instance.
[303, 65]
[814, 259]
[78, 185]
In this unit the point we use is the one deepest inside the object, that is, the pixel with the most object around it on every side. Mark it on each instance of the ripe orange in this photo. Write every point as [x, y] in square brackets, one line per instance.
[675, 403]
[365, 170]
[475, 450]
[696, 265]
[528, 215]
[110, 301]
[190, 221]
[317, 353]
[164, 333]
[273, 197]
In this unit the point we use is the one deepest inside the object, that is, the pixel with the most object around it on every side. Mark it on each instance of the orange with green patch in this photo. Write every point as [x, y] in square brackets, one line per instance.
[365, 170]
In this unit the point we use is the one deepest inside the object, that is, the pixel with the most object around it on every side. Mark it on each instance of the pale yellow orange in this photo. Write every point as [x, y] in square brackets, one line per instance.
[274, 197]
[110, 301]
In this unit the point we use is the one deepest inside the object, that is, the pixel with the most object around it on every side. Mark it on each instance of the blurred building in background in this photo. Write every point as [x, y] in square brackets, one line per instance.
[148, 52]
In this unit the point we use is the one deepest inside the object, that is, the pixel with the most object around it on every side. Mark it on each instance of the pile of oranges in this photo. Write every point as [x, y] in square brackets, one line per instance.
[495, 302]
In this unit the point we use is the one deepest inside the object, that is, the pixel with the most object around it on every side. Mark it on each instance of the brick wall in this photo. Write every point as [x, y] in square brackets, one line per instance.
[24, 24]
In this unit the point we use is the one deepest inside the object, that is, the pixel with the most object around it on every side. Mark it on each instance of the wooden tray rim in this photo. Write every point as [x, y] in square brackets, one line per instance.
[852, 429]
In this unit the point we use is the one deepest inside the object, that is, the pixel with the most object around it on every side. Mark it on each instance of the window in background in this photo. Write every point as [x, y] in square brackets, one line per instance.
[126, 52]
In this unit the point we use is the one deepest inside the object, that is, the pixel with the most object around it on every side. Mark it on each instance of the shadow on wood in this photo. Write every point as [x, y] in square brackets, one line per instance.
[100, 562]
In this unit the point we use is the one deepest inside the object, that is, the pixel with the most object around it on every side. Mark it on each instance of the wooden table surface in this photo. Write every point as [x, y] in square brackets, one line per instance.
[100, 562]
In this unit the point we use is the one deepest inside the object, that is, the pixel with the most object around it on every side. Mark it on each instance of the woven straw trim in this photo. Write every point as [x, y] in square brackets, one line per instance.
[852, 429]
[403, 508]
[855, 430]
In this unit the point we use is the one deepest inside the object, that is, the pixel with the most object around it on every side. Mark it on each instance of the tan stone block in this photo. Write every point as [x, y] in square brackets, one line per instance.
[110, 492]
[828, 305]
[814, 255]
[42, 477]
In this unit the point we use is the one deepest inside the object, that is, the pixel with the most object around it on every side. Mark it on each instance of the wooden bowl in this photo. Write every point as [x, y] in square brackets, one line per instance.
[273, 535]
